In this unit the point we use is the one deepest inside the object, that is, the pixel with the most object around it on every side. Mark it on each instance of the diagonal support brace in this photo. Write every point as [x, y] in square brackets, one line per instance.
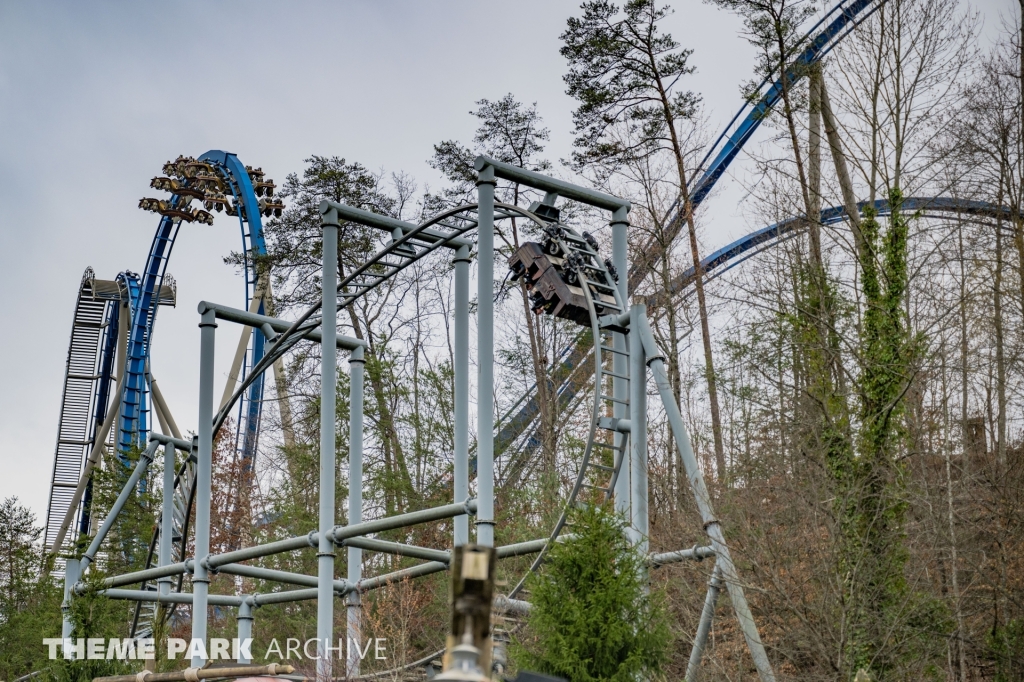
[711, 524]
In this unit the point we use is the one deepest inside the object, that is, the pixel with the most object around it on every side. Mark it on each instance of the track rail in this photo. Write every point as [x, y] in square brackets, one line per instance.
[105, 308]
[239, 186]
[838, 23]
[728, 257]
[404, 249]
[583, 268]
[81, 380]
[132, 422]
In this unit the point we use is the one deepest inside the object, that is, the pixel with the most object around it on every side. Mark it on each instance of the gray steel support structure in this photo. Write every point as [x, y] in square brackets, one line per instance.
[620, 365]
[204, 473]
[638, 493]
[485, 354]
[461, 370]
[72, 572]
[167, 518]
[634, 353]
[711, 524]
[695, 553]
[328, 443]
[245, 619]
[355, 503]
[273, 324]
[707, 615]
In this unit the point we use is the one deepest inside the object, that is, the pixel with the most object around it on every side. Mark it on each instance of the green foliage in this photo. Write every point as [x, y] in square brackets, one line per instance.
[20, 558]
[509, 131]
[862, 442]
[94, 616]
[592, 617]
[23, 630]
[1006, 644]
[295, 241]
[29, 600]
[124, 549]
[872, 504]
[623, 71]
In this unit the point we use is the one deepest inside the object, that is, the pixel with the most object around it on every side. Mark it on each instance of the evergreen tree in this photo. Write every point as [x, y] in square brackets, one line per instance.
[514, 133]
[593, 617]
[625, 73]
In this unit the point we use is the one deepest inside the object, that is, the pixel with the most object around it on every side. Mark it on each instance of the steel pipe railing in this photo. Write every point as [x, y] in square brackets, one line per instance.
[342, 533]
[256, 320]
[260, 573]
[694, 553]
[173, 598]
[399, 549]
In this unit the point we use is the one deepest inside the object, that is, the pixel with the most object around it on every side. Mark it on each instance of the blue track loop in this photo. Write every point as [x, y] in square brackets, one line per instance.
[133, 421]
[249, 221]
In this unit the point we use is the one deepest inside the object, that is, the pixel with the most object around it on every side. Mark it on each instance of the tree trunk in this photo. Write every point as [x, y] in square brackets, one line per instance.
[964, 347]
[698, 274]
[814, 168]
[997, 315]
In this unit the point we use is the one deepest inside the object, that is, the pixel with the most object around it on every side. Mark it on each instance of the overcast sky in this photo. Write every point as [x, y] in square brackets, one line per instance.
[95, 97]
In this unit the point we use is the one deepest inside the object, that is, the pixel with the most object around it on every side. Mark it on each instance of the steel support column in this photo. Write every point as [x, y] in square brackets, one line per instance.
[707, 615]
[485, 356]
[355, 502]
[204, 473]
[640, 521]
[72, 572]
[167, 517]
[461, 368]
[328, 457]
[620, 365]
[245, 619]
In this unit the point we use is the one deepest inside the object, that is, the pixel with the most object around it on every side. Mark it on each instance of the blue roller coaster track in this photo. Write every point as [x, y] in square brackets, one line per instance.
[132, 422]
[842, 19]
[728, 257]
[92, 360]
